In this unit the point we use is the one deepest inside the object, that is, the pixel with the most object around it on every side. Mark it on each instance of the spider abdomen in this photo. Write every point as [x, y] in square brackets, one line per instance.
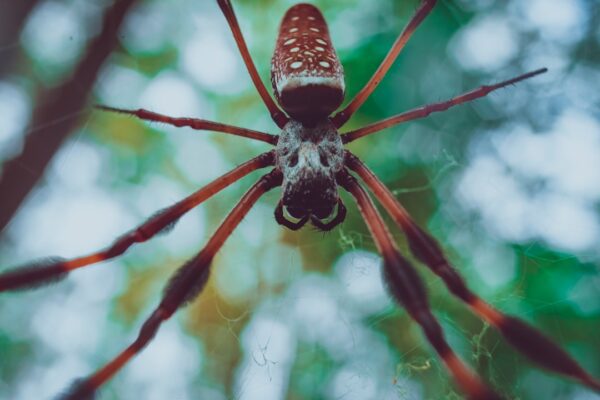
[306, 73]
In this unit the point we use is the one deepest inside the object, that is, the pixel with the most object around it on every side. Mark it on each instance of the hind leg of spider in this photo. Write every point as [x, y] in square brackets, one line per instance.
[424, 111]
[185, 285]
[278, 116]
[338, 219]
[407, 288]
[52, 270]
[528, 340]
[194, 123]
[340, 118]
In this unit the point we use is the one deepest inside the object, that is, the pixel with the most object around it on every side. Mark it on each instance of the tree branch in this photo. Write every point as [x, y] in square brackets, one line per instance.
[57, 114]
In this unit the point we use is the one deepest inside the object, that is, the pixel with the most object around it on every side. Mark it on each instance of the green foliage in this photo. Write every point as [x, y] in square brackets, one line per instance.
[422, 162]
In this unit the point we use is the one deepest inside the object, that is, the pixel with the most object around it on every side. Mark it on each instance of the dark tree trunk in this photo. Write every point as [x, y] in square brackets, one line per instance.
[56, 115]
[12, 18]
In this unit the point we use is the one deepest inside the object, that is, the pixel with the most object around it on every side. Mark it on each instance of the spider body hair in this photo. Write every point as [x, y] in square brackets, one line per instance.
[32, 275]
[310, 157]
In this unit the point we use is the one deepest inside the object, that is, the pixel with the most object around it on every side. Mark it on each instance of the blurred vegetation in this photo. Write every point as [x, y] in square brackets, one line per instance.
[423, 162]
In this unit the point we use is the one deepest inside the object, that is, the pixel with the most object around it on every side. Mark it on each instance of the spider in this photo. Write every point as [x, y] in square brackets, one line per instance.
[310, 164]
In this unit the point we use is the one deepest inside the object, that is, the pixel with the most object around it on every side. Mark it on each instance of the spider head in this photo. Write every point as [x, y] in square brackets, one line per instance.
[310, 158]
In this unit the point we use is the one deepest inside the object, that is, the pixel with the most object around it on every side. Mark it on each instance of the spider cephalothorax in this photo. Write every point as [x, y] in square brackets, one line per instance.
[309, 163]
[310, 158]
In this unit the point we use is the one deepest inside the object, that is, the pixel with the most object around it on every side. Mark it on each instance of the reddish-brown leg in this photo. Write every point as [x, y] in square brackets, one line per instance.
[407, 288]
[278, 116]
[199, 124]
[183, 287]
[54, 269]
[343, 116]
[424, 111]
[528, 340]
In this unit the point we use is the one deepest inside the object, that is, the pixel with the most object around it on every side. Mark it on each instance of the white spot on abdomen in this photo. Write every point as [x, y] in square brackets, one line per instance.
[296, 64]
[289, 41]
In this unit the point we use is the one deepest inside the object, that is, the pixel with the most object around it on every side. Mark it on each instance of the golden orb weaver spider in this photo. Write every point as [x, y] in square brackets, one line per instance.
[310, 163]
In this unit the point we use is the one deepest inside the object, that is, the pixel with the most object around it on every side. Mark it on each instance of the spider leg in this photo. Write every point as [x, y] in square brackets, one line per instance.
[338, 219]
[282, 220]
[407, 288]
[52, 270]
[340, 118]
[525, 338]
[194, 123]
[185, 285]
[278, 116]
[424, 111]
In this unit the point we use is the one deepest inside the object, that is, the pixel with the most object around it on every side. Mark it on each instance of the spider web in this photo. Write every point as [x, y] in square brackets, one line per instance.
[292, 313]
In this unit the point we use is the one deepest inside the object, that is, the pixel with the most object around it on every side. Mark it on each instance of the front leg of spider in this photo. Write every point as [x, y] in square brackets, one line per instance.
[54, 269]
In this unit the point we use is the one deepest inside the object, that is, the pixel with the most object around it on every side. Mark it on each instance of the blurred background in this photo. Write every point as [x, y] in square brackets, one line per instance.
[509, 184]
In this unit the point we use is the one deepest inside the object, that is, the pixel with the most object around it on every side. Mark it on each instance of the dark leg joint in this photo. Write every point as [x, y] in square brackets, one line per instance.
[78, 390]
[271, 180]
[120, 245]
[149, 329]
[280, 119]
[432, 330]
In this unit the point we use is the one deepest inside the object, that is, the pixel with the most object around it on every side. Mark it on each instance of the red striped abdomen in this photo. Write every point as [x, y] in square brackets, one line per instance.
[306, 73]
